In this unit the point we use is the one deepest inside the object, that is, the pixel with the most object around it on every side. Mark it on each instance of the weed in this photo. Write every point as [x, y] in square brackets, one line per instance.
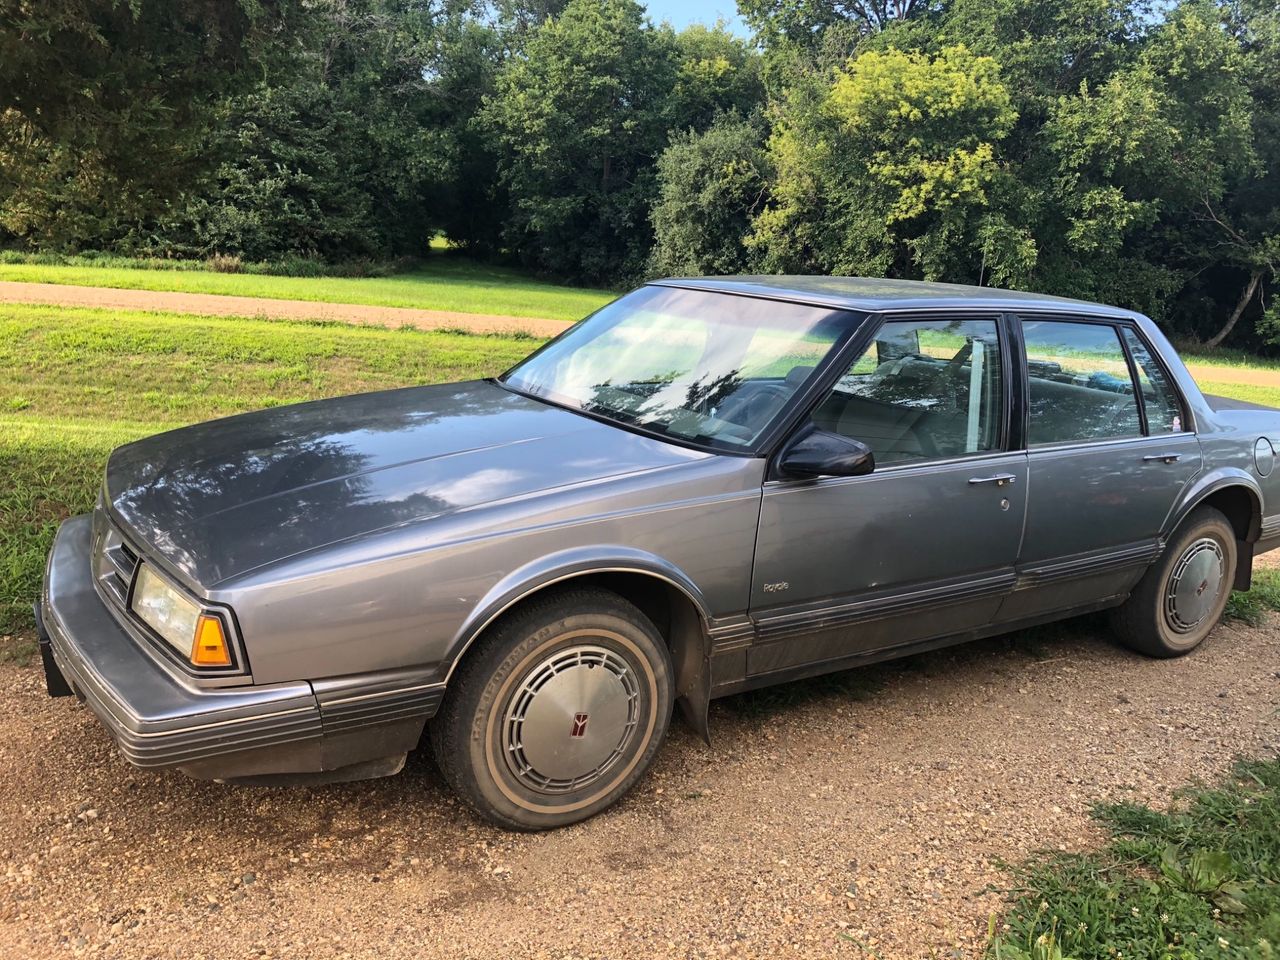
[1198, 882]
[1252, 605]
[224, 263]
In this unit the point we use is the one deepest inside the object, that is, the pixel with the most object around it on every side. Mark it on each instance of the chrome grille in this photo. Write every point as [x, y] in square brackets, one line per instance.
[114, 562]
[114, 565]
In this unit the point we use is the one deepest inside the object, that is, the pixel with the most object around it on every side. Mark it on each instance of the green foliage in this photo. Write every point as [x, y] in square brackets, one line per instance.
[103, 104]
[1200, 881]
[333, 160]
[1115, 150]
[803, 22]
[1252, 605]
[711, 184]
[288, 191]
[579, 116]
[717, 72]
[891, 170]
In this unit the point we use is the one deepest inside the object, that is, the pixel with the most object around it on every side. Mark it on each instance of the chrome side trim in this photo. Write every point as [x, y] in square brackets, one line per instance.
[731, 633]
[882, 607]
[352, 703]
[1085, 446]
[1086, 564]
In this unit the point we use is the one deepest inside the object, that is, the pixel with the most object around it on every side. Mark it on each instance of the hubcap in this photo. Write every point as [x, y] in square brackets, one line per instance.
[571, 718]
[1195, 585]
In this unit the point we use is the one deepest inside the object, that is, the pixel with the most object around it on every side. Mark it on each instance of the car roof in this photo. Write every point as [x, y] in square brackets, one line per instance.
[875, 296]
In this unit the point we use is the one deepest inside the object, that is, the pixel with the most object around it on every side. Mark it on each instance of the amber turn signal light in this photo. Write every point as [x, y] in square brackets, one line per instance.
[210, 648]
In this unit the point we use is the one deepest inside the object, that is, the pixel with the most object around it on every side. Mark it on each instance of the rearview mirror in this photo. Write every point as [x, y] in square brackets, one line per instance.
[821, 453]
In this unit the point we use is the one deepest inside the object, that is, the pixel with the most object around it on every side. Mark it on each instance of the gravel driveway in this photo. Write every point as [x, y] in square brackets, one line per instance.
[858, 816]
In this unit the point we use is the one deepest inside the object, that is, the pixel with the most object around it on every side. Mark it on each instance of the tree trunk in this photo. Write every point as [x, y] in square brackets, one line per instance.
[1250, 289]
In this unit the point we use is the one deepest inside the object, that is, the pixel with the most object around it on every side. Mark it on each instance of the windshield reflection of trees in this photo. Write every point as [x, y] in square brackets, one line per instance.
[657, 403]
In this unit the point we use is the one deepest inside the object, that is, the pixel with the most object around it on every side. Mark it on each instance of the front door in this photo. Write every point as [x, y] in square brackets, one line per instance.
[925, 545]
[1108, 460]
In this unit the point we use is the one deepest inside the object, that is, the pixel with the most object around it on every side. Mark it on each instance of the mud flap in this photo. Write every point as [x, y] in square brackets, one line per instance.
[54, 682]
[1244, 566]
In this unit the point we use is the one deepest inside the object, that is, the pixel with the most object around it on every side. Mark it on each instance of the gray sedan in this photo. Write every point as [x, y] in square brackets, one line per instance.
[707, 486]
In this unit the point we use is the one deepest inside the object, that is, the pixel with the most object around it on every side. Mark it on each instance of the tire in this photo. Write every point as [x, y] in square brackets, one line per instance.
[1168, 614]
[556, 712]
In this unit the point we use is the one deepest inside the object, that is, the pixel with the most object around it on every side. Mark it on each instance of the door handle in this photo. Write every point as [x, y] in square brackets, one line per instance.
[999, 479]
[1162, 458]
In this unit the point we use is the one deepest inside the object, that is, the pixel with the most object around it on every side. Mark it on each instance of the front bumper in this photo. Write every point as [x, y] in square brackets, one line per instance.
[160, 721]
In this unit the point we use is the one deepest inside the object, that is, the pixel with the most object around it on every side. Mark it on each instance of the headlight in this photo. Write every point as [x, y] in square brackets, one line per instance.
[196, 635]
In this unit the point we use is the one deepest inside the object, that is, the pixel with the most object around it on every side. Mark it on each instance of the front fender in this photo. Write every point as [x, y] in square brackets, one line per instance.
[565, 565]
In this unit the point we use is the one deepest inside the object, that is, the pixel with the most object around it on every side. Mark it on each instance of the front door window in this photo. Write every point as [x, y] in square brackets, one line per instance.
[923, 390]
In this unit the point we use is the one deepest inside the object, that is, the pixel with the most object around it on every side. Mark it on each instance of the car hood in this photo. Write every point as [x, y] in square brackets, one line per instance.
[218, 499]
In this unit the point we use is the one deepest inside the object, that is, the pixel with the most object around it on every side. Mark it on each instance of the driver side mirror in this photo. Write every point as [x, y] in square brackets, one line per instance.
[821, 453]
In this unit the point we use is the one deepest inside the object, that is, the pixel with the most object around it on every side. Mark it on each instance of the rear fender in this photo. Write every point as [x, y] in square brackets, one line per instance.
[1204, 487]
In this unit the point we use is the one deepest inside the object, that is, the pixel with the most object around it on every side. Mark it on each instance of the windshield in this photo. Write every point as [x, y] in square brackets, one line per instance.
[708, 368]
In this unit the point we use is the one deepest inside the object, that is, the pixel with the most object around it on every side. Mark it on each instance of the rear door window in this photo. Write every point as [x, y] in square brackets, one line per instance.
[1079, 386]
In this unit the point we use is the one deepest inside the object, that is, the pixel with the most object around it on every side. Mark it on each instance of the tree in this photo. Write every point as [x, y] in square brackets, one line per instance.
[466, 195]
[711, 185]
[340, 154]
[285, 189]
[102, 103]
[892, 170]
[1249, 214]
[802, 22]
[717, 72]
[580, 117]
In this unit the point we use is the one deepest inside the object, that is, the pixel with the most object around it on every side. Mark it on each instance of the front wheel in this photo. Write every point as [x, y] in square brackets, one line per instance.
[1182, 597]
[557, 712]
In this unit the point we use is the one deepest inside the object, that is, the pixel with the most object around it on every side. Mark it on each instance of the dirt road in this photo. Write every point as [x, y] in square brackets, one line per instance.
[219, 305]
[830, 819]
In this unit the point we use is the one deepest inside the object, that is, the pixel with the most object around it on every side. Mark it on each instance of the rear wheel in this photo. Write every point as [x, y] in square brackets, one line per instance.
[1182, 597]
[557, 712]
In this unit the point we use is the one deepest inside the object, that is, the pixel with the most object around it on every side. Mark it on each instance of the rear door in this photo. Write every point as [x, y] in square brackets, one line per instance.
[925, 545]
[1108, 456]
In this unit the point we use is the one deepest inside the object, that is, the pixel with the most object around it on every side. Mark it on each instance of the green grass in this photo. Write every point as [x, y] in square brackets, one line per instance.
[1226, 358]
[1198, 882]
[443, 283]
[1267, 396]
[80, 382]
[1252, 605]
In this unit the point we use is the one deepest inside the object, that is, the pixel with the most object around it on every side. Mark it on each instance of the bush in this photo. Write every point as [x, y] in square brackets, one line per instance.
[291, 266]
[224, 263]
[710, 186]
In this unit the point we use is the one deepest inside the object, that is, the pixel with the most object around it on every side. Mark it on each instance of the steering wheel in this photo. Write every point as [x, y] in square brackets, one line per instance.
[751, 410]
